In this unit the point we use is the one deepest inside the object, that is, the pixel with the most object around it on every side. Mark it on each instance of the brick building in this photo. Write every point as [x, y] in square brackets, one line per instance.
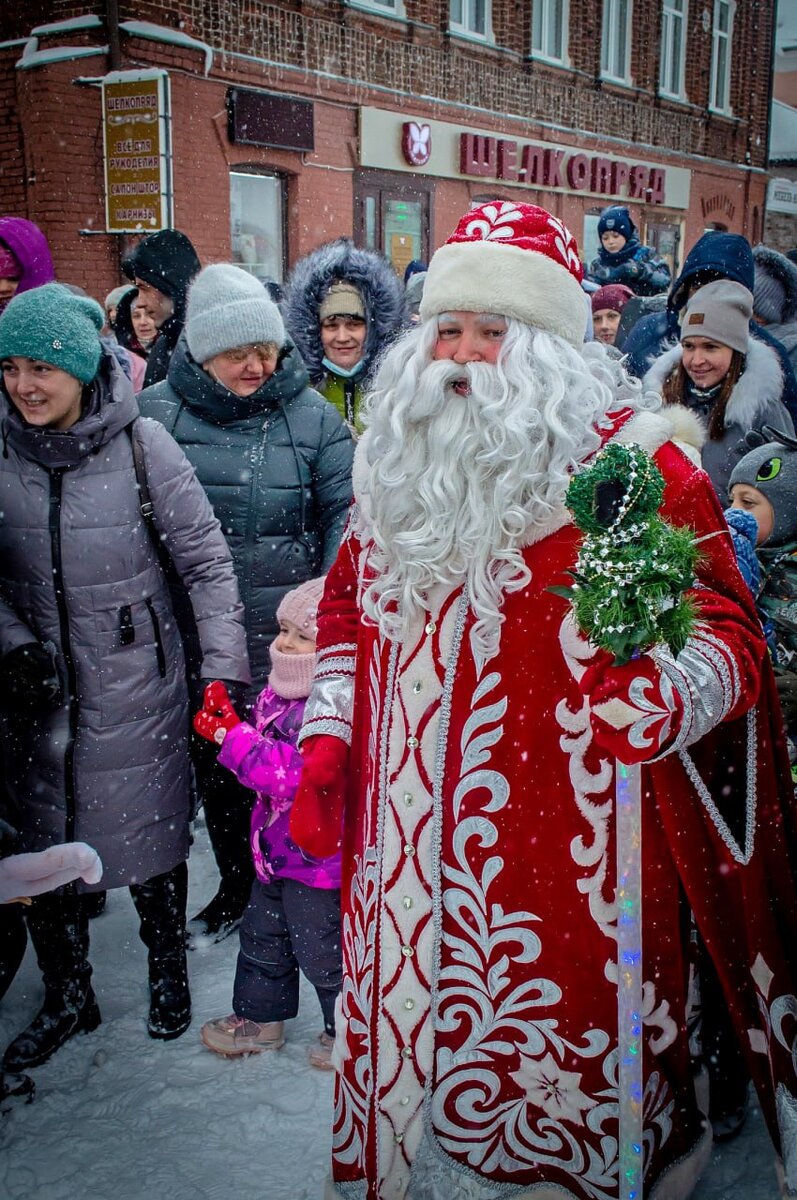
[285, 124]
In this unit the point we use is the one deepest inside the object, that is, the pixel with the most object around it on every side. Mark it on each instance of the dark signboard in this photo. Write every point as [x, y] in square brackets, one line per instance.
[267, 119]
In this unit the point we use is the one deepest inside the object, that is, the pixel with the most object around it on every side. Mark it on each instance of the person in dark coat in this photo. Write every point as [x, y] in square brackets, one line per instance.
[162, 267]
[342, 308]
[623, 259]
[25, 259]
[275, 459]
[92, 673]
[775, 297]
[716, 255]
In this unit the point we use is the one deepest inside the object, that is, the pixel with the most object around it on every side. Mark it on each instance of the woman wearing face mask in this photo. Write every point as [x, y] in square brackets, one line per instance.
[342, 307]
[275, 460]
[94, 719]
[731, 381]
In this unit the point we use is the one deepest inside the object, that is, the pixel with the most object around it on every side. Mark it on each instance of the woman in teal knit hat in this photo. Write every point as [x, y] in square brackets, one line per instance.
[93, 687]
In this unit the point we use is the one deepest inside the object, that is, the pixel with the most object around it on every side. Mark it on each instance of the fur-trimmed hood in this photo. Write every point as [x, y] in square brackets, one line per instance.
[784, 272]
[760, 384]
[310, 280]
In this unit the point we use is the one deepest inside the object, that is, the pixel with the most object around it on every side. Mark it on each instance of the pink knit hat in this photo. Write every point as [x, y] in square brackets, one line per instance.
[301, 606]
[9, 264]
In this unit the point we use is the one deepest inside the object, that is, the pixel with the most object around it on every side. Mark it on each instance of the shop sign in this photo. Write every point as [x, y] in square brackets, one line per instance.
[269, 119]
[388, 141]
[782, 196]
[137, 144]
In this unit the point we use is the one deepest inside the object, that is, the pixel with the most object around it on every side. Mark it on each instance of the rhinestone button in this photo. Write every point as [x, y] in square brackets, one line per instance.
[409, 1004]
[406, 1052]
[409, 851]
[399, 1138]
[408, 799]
[407, 951]
[431, 627]
[404, 1100]
[413, 743]
[407, 901]
[416, 687]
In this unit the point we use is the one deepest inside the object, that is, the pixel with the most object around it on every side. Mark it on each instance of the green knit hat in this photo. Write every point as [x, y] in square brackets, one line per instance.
[53, 325]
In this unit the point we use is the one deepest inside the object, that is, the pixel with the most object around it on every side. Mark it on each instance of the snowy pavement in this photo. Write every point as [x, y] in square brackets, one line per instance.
[120, 1117]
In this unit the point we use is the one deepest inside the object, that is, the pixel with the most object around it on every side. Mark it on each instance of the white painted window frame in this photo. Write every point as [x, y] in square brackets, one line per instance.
[546, 7]
[718, 36]
[463, 28]
[671, 16]
[610, 18]
[382, 8]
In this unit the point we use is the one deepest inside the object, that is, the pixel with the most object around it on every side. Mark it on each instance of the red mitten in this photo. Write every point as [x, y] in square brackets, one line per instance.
[635, 711]
[317, 813]
[217, 716]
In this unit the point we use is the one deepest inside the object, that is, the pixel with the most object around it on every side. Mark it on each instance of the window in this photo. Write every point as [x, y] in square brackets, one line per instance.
[616, 41]
[720, 89]
[549, 30]
[471, 17]
[673, 47]
[389, 8]
[257, 219]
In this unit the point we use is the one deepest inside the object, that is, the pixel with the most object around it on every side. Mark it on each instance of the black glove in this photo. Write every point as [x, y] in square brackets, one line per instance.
[28, 680]
[787, 693]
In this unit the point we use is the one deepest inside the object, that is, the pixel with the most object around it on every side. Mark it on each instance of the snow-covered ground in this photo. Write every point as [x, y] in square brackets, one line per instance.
[118, 1116]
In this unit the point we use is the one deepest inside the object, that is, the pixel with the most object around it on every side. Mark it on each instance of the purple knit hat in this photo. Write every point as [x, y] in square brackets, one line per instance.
[29, 246]
[301, 606]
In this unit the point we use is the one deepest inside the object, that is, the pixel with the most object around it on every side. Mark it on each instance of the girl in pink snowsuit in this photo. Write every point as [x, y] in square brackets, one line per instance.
[293, 917]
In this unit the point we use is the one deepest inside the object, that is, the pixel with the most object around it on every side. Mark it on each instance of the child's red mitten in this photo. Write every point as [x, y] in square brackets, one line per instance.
[217, 716]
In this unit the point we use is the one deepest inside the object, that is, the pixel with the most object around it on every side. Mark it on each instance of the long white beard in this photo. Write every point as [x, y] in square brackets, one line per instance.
[458, 484]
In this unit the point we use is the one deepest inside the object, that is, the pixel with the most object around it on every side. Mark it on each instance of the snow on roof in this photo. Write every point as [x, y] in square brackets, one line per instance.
[783, 133]
[37, 58]
[172, 37]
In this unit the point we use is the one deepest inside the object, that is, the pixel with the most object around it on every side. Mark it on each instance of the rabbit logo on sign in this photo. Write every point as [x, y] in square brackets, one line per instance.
[416, 143]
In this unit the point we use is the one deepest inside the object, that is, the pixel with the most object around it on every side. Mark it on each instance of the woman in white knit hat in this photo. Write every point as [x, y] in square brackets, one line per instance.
[275, 460]
[731, 381]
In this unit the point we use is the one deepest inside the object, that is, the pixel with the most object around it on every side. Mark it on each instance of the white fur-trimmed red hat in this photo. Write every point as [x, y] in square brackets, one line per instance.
[514, 260]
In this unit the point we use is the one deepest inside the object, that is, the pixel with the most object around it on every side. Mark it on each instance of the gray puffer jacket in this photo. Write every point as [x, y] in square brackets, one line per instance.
[80, 574]
[276, 466]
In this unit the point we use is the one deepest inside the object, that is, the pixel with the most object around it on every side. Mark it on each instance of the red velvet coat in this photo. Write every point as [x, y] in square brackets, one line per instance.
[478, 1033]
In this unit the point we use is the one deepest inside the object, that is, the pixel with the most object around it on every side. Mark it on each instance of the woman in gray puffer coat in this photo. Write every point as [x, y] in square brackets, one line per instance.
[275, 460]
[92, 674]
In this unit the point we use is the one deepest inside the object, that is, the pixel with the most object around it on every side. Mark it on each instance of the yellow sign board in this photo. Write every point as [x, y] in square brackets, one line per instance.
[135, 109]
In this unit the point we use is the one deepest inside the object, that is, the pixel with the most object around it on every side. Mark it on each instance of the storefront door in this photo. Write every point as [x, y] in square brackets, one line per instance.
[392, 216]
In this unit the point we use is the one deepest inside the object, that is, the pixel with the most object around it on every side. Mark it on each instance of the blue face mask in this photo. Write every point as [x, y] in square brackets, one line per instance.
[343, 372]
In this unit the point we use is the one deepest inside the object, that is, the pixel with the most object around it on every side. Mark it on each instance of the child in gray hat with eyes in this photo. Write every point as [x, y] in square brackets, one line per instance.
[764, 483]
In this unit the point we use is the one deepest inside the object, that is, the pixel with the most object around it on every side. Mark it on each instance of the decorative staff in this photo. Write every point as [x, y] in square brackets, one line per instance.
[628, 595]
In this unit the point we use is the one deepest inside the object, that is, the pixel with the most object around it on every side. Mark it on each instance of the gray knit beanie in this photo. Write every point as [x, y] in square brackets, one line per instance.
[769, 297]
[720, 311]
[227, 308]
[772, 469]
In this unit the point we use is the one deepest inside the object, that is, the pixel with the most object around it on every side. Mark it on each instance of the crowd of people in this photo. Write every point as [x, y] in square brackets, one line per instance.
[295, 556]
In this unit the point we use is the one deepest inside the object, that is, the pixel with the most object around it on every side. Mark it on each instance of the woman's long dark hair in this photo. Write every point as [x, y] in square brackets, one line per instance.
[676, 391]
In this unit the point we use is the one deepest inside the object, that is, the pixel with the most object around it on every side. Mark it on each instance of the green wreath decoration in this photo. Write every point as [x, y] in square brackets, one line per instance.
[633, 567]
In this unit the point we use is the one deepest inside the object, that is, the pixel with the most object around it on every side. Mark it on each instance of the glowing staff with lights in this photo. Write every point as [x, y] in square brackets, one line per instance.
[628, 595]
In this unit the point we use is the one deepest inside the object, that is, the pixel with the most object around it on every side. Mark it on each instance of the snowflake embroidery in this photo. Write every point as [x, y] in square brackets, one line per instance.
[497, 225]
[565, 243]
[556, 1092]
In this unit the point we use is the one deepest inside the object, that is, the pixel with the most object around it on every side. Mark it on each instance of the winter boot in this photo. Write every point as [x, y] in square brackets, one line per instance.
[15, 1087]
[94, 904]
[59, 932]
[233, 1035]
[13, 940]
[160, 903]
